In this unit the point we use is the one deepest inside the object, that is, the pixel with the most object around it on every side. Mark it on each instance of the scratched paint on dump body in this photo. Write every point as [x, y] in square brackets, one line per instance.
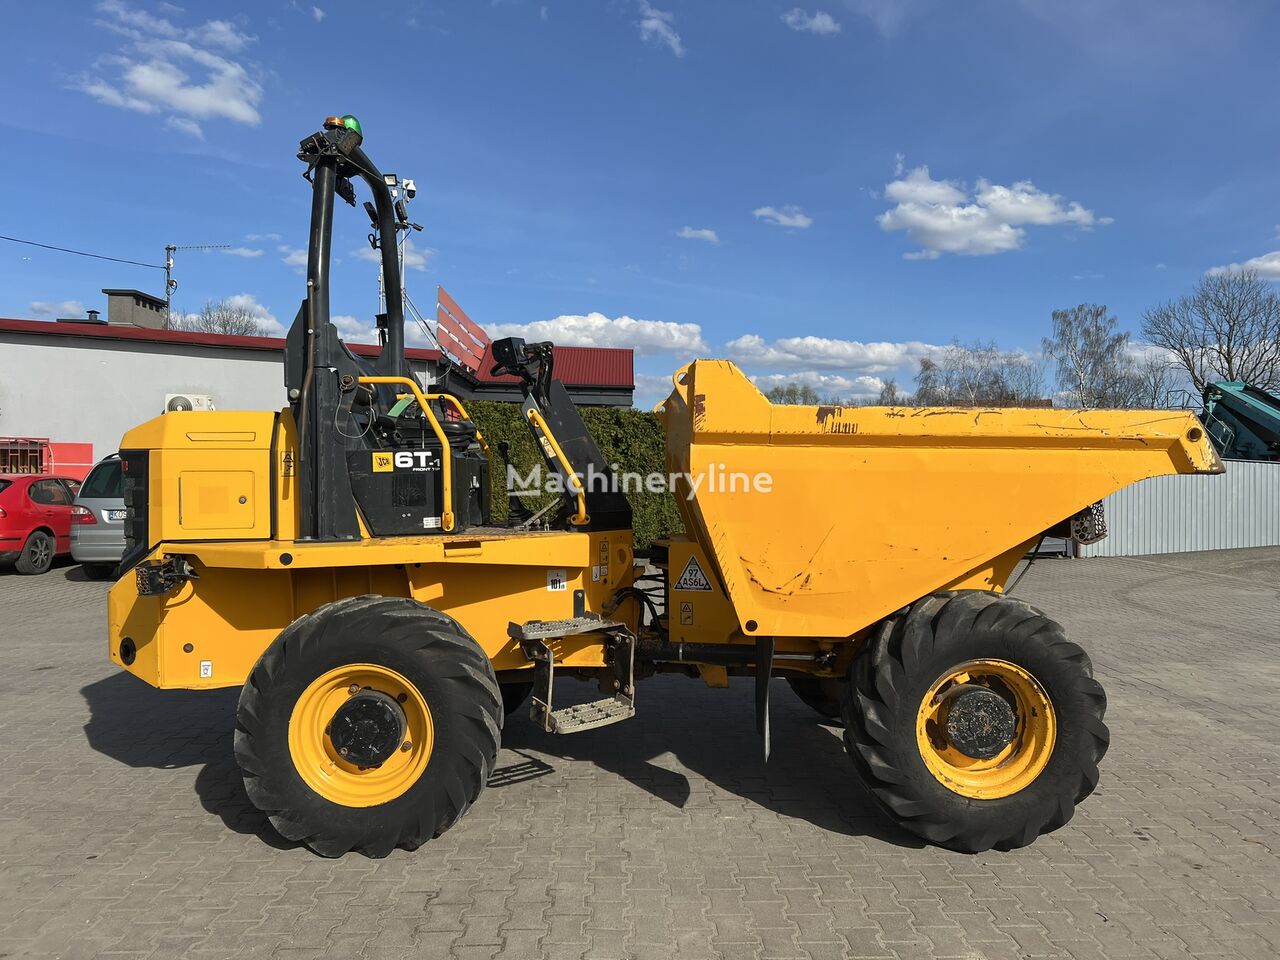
[870, 508]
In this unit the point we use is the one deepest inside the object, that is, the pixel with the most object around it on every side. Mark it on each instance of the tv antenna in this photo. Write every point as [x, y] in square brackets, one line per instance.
[171, 284]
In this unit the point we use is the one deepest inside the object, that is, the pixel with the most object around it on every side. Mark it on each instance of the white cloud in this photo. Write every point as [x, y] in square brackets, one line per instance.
[817, 22]
[354, 330]
[1266, 266]
[220, 33]
[414, 259]
[944, 216]
[164, 68]
[125, 19]
[658, 26]
[652, 389]
[791, 217]
[247, 253]
[271, 327]
[698, 233]
[543, 15]
[596, 330]
[293, 257]
[183, 125]
[822, 353]
[317, 14]
[254, 237]
[826, 384]
[888, 16]
[59, 308]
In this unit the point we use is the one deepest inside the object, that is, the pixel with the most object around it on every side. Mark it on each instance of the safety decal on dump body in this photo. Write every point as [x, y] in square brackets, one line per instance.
[693, 578]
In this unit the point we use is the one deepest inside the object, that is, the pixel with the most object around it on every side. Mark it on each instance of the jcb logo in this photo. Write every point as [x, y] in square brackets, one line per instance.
[382, 463]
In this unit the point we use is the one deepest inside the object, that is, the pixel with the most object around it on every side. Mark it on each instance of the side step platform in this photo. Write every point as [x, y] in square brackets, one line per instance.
[620, 649]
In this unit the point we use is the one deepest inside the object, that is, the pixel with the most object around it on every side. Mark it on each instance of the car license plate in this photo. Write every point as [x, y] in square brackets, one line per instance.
[114, 515]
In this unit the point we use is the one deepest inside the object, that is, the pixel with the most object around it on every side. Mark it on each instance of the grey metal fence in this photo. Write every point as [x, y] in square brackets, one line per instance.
[1240, 508]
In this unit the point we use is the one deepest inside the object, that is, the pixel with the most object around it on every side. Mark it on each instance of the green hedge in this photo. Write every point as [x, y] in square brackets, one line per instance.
[633, 439]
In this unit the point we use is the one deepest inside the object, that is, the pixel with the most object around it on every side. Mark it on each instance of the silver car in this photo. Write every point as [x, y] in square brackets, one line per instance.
[97, 519]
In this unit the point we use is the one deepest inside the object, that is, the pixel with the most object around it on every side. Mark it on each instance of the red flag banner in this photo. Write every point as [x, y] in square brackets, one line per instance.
[459, 334]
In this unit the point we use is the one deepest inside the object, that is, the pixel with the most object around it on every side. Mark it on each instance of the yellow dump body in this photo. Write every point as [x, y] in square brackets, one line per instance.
[819, 521]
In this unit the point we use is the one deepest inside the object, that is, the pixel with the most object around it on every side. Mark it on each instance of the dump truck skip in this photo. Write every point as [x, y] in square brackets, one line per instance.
[336, 560]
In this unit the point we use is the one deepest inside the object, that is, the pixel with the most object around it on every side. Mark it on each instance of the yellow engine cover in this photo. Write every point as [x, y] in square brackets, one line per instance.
[210, 474]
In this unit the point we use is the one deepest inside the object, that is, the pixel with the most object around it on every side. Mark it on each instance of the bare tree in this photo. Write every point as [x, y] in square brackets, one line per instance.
[1227, 328]
[1151, 382]
[220, 316]
[889, 395]
[1092, 357]
[794, 393]
[929, 389]
[978, 375]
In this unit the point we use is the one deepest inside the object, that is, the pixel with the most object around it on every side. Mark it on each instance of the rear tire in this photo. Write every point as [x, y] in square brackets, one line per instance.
[37, 554]
[392, 650]
[821, 695]
[1049, 767]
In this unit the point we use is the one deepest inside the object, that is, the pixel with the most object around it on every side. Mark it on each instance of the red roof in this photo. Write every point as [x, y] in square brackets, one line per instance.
[575, 366]
[149, 335]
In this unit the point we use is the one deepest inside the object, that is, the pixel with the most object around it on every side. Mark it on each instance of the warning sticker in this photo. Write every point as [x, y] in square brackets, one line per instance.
[693, 578]
[686, 614]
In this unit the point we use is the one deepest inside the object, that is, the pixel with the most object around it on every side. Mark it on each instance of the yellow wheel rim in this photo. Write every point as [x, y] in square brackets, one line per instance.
[1020, 762]
[317, 760]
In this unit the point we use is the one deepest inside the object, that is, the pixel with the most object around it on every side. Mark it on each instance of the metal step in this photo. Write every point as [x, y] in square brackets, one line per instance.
[619, 654]
[548, 629]
[587, 716]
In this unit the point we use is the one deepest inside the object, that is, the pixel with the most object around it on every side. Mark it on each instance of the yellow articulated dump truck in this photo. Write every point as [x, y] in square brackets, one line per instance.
[336, 561]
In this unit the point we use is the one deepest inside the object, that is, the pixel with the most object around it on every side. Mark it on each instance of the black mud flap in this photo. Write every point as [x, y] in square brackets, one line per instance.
[764, 672]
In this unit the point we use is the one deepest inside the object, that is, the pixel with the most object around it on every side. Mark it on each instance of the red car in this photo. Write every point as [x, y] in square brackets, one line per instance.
[35, 519]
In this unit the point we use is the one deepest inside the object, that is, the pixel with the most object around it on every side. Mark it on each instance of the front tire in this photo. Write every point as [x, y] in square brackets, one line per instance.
[370, 724]
[37, 554]
[975, 722]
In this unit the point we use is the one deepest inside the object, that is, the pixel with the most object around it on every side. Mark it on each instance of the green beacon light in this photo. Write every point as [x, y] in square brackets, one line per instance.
[349, 122]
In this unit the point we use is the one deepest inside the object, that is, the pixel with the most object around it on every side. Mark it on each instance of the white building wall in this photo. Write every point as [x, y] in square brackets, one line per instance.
[73, 389]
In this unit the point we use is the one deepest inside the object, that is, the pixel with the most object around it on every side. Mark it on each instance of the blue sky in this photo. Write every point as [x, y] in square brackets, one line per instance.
[819, 192]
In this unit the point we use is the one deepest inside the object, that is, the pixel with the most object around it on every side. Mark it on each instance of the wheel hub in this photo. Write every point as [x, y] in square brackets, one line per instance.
[979, 722]
[368, 728]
